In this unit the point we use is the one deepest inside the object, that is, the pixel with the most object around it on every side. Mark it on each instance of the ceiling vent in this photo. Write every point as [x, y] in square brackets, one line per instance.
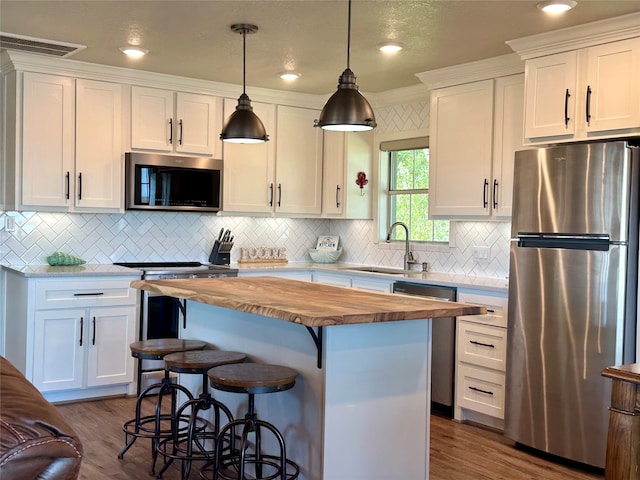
[42, 46]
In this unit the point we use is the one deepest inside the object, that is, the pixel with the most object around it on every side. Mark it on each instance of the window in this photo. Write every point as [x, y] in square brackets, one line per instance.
[409, 197]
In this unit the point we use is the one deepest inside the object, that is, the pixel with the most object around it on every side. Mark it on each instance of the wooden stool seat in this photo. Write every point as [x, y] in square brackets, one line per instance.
[200, 361]
[252, 378]
[157, 348]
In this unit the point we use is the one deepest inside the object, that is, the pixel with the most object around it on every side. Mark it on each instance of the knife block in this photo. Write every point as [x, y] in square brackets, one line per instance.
[221, 253]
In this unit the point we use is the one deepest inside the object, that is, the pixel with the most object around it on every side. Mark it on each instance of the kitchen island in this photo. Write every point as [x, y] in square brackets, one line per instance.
[360, 407]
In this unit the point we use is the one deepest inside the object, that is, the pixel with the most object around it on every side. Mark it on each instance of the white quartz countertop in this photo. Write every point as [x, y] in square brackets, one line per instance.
[87, 269]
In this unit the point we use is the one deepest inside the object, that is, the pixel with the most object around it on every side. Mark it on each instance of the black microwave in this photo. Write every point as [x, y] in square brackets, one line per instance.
[166, 182]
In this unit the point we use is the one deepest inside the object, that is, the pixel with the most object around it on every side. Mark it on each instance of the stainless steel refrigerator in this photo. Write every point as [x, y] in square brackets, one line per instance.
[572, 293]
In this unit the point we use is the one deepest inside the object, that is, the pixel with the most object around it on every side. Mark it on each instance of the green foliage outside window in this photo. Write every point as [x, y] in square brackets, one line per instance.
[409, 197]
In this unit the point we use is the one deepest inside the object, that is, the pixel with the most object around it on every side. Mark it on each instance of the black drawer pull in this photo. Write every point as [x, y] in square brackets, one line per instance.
[482, 344]
[81, 329]
[480, 390]
[93, 338]
[92, 294]
[489, 310]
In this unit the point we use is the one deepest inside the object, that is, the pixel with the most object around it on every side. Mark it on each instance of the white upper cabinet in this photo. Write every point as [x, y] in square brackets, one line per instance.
[345, 155]
[298, 187]
[175, 122]
[582, 82]
[65, 153]
[249, 169]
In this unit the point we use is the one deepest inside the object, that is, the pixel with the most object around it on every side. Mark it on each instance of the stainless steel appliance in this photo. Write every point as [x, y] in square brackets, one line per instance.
[443, 334]
[572, 293]
[168, 182]
[160, 315]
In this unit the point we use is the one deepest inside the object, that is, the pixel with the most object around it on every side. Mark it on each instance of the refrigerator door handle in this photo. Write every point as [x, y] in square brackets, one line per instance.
[577, 242]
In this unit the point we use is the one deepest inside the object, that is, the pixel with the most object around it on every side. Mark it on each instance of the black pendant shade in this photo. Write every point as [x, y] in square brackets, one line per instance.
[347, 110]
[244, 126]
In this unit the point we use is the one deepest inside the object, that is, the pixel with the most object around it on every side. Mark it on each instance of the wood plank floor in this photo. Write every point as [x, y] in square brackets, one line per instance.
[458, 452]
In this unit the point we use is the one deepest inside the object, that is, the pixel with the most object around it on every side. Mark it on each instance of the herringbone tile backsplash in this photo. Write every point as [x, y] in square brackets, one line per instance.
[162, 236]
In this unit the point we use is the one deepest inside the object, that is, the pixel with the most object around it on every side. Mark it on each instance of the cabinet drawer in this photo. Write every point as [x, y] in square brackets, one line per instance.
[482, 345]
[337, 280]
[496, 308]
[480, 390]
[86, 293]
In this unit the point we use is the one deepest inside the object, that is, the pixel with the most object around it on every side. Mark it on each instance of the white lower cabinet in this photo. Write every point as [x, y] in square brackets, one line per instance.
[70, 337]
[481, 348]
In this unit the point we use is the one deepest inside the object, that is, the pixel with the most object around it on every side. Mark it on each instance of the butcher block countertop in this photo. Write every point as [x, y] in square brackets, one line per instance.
[306, 303]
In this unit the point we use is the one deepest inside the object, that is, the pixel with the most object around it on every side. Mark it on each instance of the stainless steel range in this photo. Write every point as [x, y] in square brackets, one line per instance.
[160, 315]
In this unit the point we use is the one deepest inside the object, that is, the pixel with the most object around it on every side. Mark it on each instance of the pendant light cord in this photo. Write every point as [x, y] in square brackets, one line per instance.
[349, 36]
[244, 60]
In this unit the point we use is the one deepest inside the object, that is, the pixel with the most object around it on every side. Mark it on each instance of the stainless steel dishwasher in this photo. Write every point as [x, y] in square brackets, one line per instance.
[443, 345]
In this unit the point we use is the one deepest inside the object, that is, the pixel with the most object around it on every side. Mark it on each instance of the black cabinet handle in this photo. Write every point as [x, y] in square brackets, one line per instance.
[80, 186]
[588, 112]
[279, 194]
[489, 310]
[81, 329]
[67, 177]
[486, 392]
[93, 338]
[482, 344]
[566, 108]
[180, 137]
[337, 196]
[271, 194]
[171, 131]
[485, 193]
[92, 294]
[495, 193]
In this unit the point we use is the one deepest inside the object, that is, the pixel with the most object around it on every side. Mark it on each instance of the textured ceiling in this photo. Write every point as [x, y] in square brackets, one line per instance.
[193, 38]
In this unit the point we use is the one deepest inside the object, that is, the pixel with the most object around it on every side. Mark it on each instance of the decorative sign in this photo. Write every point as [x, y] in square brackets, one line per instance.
[361, 181]
[328, 242]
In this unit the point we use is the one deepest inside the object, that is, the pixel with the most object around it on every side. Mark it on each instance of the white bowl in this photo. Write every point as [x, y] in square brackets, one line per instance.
[325, 256]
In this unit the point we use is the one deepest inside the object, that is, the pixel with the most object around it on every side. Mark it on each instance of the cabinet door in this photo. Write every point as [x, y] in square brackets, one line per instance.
[47, 140]
[508, 136]
[98, 145]
[58, 349]
[550, 95]
[460, 150]
[152, 119]
[249, 169]
[333, 173]
[612, 95]
[110, 331]
[198, 124]
[299, 161]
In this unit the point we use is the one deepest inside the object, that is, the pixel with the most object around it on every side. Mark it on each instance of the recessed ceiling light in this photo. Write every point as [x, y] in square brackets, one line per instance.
[289, 76]
[390, 47]
[557, 6]
[134, 52]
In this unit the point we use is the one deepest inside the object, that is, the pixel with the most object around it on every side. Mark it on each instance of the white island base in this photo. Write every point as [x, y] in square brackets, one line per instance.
[363, 416]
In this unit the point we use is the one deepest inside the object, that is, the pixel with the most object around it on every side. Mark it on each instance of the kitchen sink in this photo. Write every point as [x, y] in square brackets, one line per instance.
[387, 270]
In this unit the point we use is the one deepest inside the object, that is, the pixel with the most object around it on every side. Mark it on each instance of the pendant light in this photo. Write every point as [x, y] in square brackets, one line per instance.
[347, 110]
[243, 125]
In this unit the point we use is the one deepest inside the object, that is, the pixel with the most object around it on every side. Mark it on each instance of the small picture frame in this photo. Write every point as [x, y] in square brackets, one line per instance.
[328, 242]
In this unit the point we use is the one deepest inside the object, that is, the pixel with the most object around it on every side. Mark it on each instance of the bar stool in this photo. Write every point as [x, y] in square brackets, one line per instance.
[189, 444]
[252, 379]
[154, 426]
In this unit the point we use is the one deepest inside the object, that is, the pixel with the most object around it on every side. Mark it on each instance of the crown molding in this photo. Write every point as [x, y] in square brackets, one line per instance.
[503, 65]
[579, 36]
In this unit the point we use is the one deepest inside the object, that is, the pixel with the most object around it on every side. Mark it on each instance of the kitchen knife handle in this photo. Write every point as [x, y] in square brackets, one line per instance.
[171, 131]
[271, 194]
[279, 194]
[480, 390]
[588, 112]
[180, 137]
[485, 193]
[337, 196]
[80, 186]
[67, 177]
[482, 344]
[495, 193]
[81, 329]
[93, 338]
[566, 108]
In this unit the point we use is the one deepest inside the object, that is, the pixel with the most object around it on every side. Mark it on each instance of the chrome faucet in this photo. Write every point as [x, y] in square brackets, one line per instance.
[408, 255]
